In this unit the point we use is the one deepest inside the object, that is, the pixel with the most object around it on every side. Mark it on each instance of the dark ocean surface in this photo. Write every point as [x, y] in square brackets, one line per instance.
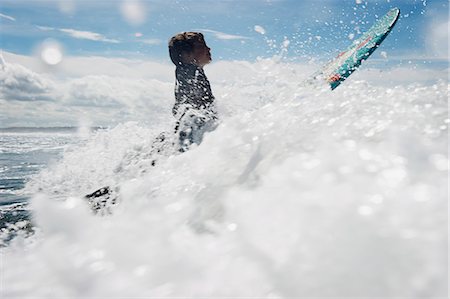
[23, 153]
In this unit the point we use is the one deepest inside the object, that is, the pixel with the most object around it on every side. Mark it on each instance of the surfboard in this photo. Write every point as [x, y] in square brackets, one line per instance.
[341, 67]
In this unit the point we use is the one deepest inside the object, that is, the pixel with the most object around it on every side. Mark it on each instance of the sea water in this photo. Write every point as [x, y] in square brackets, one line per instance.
[25, 152]
[297, 193]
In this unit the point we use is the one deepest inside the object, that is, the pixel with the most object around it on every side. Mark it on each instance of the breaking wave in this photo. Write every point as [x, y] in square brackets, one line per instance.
[297, 193]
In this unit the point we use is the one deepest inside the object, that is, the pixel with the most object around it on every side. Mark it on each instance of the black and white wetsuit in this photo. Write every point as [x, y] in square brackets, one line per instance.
[194, 106]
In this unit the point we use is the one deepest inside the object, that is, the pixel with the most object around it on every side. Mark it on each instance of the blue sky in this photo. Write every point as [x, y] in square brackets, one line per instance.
[315, 28]
[115, 65]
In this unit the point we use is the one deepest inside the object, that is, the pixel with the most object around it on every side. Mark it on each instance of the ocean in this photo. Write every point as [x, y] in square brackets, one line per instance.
[24, 152]
[297, 193]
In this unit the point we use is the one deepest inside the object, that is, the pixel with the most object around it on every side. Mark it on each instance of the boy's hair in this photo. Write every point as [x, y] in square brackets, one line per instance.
[182, 43]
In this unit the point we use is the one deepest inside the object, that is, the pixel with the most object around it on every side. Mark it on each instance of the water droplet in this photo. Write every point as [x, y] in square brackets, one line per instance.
[365, 210]
[260, 29]
[134, 12]
[232, 227]
[51, 52]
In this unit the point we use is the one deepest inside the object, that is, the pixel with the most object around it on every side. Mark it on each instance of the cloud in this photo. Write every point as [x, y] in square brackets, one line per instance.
[224, 36]
[2, 61]
[151, 41]
[22, 84]
[121, 90]
[117, 67]
[108, 99]
[45, 28]
[118, 89]
[401, 75]
[81, 34]
[105, 91]
[7, 17]
[18, 83]
[80, 66]
[88, 35]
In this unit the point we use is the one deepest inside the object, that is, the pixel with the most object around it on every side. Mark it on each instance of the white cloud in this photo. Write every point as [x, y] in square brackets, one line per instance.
[120, 90]
[2, 61]
[113, 90]
[116, 92]
[224, 36]
[79, 66]
[81, 34]
[99, 90]
[401, 75]
[7, 17]
[151, 41]
[93, 91]
[45, 28]
[88, 35]
[18, 83]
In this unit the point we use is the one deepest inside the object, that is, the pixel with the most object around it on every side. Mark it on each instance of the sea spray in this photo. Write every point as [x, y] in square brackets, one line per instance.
[296, 194]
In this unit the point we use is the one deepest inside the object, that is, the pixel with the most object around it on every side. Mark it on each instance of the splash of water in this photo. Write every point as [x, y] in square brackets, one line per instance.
[298, 193]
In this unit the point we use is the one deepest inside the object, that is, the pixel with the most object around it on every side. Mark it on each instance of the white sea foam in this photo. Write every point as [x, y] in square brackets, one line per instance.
[298, 193]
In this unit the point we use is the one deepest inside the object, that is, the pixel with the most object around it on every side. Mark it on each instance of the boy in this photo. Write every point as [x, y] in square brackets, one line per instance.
[194, 107]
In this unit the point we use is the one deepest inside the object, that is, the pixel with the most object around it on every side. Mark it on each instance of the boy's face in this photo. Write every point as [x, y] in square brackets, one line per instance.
[201, 55]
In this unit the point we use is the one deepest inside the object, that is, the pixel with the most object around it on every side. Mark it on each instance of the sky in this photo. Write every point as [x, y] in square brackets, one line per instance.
[142, 28]
[107, 51]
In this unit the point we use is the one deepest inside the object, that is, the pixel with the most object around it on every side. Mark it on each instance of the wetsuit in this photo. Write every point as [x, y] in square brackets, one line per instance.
[194, 106]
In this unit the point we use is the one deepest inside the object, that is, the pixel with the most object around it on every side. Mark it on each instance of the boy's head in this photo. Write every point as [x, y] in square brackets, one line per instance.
[189, 47]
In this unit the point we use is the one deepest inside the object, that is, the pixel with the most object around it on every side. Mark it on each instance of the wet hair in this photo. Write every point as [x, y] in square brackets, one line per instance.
[183, 43]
